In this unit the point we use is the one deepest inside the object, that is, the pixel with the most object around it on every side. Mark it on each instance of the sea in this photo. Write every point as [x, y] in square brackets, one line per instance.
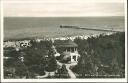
[49, 27]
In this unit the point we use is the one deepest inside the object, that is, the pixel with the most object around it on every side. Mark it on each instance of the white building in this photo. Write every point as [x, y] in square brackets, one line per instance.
[69, 49]
[17, 44]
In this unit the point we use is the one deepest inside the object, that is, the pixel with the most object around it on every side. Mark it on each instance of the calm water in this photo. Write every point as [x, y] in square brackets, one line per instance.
[28, 27]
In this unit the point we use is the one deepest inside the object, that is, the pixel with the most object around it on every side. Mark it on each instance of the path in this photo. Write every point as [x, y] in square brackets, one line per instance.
[47, 73]
[44, 76]
[71, 74]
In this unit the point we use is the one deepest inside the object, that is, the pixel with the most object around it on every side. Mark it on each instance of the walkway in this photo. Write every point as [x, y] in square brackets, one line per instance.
[44, 76]
[71, 74]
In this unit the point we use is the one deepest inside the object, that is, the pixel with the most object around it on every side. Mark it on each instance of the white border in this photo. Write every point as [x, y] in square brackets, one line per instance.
[64, 80]
[1, 29]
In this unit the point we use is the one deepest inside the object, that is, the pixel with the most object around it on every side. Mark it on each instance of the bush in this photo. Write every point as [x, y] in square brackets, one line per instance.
[62, 73]
[51, 65]
[106, 50]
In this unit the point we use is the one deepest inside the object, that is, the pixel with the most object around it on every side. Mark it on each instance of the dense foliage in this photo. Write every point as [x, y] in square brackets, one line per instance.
[102, 55]
[34, 62]
[62, 72]
[13, 66]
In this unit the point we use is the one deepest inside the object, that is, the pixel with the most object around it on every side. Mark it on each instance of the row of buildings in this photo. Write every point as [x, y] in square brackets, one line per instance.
[74, 37]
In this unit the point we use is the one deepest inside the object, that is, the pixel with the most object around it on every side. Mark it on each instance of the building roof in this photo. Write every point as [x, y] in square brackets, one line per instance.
[65, 43]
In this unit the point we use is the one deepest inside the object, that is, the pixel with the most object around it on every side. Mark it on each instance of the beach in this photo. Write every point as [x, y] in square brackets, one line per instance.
[49, 27]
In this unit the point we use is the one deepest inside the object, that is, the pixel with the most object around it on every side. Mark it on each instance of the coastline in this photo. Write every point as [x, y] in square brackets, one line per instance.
[26, 41]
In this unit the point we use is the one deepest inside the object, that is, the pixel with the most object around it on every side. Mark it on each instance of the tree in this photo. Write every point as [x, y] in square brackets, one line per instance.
[35, 57]
[62, 73]
[52, 64]
[105, 50]
[21, 71]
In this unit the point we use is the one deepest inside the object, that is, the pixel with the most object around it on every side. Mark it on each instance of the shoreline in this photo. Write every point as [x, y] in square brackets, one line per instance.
[26, 41]
[60, 38]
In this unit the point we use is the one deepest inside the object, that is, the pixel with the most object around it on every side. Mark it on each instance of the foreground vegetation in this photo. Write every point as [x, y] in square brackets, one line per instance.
[37, 59]
[102, 56]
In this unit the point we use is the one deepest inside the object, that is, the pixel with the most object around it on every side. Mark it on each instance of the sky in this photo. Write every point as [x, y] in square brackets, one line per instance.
[63, 8]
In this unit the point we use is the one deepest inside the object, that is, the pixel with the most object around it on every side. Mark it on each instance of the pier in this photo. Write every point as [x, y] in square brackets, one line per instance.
[77, 27]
